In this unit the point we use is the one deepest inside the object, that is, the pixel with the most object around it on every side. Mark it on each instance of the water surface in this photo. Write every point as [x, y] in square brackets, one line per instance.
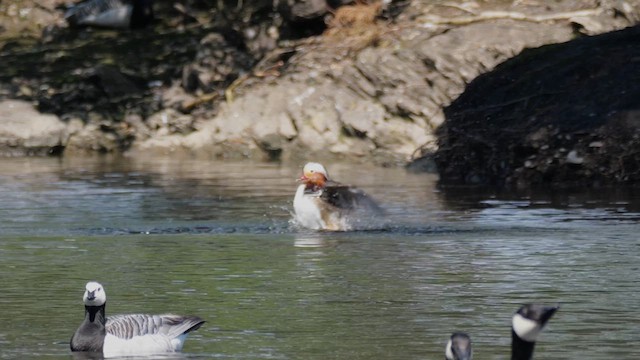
[215, 239]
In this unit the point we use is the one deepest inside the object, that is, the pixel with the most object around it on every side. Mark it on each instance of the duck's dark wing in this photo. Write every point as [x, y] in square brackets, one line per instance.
[349, 198]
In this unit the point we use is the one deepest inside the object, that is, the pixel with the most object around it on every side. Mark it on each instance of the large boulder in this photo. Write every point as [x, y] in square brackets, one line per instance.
[25, 131]
[562, 115]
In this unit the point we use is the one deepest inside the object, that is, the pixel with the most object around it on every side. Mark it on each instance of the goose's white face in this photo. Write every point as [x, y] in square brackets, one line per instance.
[529, 321]
[94, 294]
[526, 329]
[448, 353]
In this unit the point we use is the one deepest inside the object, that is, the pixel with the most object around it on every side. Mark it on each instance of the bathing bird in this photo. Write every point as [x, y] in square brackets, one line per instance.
[459, 347]
[323, 204]
[128, 335]
[111, 13]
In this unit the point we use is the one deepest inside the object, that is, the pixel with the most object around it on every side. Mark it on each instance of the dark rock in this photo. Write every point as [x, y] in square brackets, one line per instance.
[113, 83]
[216, 65]
[566, 115]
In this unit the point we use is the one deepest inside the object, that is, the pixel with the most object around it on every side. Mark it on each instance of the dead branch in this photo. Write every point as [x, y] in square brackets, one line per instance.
[270, 71]
[496, 15]
[189, 105]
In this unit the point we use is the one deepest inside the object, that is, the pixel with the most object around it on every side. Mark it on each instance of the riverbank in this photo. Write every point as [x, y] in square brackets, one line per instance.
[368, 88]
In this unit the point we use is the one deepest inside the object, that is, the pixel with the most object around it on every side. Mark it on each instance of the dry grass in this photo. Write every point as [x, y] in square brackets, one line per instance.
[357, 15]
[356, 26]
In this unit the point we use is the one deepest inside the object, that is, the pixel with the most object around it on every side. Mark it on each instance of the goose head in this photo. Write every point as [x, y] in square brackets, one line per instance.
[529, 321]
[94, 294]
[459, 347]
[314, 176]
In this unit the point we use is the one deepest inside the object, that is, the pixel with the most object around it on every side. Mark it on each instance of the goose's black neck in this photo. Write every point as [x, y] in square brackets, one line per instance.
[95, 314]
[91, 333]
[520, 349]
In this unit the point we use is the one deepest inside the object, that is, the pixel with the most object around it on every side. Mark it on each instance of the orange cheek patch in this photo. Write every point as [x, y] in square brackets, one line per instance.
[315, 181]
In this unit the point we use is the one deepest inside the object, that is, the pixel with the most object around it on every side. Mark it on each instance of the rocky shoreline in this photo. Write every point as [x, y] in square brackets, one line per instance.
[369, 83]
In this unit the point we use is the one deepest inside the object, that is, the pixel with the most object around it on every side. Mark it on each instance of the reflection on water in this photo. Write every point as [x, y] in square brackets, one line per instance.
[214, 240]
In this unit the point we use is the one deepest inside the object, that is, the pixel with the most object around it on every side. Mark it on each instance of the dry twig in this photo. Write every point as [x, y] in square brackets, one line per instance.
[496, 15]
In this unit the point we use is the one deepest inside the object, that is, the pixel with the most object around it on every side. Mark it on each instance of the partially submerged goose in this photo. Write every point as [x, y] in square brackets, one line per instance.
[458, 347]
[111, 13]
[323, 204]
[128, 335]
[527, 323]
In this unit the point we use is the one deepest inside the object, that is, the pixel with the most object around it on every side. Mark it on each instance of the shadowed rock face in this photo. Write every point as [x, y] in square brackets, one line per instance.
[565, 115]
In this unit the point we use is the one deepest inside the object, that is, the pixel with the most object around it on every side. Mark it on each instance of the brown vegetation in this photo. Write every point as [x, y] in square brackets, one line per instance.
[355, 26]
[359, 14]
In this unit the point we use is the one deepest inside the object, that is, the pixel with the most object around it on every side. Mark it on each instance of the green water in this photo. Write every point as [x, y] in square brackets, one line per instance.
[214, 239]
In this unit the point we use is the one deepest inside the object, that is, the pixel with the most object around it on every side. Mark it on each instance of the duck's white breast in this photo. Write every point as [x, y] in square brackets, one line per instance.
[307, 212]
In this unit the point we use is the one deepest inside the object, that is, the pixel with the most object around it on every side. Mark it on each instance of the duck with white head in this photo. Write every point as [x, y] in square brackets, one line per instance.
[323, 204]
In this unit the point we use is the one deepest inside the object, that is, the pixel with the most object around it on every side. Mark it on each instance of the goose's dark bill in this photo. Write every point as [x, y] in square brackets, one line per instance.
[459, 347]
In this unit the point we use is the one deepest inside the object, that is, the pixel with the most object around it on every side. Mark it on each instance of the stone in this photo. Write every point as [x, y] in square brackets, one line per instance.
[170, 121]
[25, 131]
[308, 9]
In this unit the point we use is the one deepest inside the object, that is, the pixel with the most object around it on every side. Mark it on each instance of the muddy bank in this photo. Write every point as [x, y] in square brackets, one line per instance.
[363, 82]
